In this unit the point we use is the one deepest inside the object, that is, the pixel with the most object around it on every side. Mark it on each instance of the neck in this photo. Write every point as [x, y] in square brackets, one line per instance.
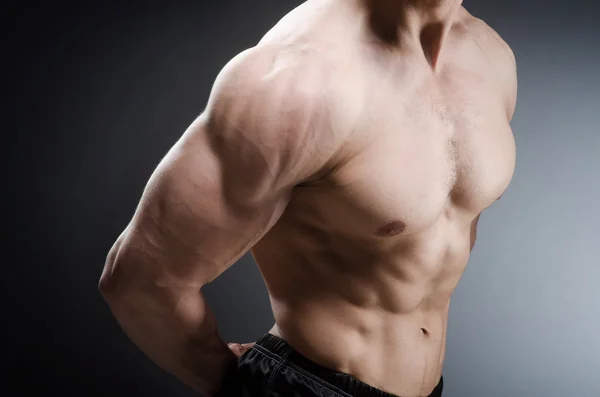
[423, 22]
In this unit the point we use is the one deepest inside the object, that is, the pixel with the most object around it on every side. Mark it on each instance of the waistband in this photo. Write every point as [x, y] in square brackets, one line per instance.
[346, 383]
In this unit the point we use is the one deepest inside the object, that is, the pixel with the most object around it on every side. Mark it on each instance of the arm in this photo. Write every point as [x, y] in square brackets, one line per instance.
[215, 194]
[507, 77]
[506, 64]
[501, 59]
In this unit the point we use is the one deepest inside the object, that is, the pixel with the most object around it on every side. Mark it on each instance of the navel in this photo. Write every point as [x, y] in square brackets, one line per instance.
[391, 229]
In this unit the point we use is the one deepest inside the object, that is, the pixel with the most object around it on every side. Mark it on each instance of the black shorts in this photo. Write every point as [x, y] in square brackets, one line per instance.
[273, 369]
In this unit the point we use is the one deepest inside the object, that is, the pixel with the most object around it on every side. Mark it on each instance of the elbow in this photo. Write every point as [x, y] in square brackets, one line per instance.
[111, 283]
[115, 288]
[106, 285]
[125, 277]
[116, 292]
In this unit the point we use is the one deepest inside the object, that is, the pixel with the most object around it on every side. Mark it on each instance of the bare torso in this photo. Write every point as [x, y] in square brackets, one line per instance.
[361, 265]
[355, 156]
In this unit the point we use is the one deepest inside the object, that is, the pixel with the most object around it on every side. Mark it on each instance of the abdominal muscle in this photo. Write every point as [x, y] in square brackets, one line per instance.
[389, 352]
[379, 316]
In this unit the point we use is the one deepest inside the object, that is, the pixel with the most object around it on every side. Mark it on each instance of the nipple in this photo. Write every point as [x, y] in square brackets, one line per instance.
[391, 229]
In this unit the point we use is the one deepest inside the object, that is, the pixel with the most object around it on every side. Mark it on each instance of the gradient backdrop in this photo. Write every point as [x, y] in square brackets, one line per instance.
[95, 94]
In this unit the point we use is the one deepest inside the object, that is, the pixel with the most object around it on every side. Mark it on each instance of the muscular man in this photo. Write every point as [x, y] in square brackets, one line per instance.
[352, 150]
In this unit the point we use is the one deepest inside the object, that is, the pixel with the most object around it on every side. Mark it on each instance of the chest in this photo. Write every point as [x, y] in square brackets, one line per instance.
[447, 149]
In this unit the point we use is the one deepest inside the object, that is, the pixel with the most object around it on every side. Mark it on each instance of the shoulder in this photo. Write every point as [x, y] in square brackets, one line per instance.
[495, 45]
[281, 100]
[500, 56]
[267, 85]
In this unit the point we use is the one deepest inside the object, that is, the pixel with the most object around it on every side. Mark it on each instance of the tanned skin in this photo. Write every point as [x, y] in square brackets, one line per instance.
[352, 150]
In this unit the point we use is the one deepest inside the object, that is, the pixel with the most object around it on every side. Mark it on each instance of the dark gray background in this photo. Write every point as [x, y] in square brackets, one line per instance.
[95, 94]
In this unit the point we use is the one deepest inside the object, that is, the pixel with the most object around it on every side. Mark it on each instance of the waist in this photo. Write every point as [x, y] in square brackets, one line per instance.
[401, 353]
[298, 373]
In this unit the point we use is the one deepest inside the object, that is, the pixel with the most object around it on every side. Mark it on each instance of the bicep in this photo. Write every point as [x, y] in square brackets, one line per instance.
[229, 178]
[204, 206]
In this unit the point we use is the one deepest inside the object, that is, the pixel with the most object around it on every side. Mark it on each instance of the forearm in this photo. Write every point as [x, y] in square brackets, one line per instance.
[177, 330]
